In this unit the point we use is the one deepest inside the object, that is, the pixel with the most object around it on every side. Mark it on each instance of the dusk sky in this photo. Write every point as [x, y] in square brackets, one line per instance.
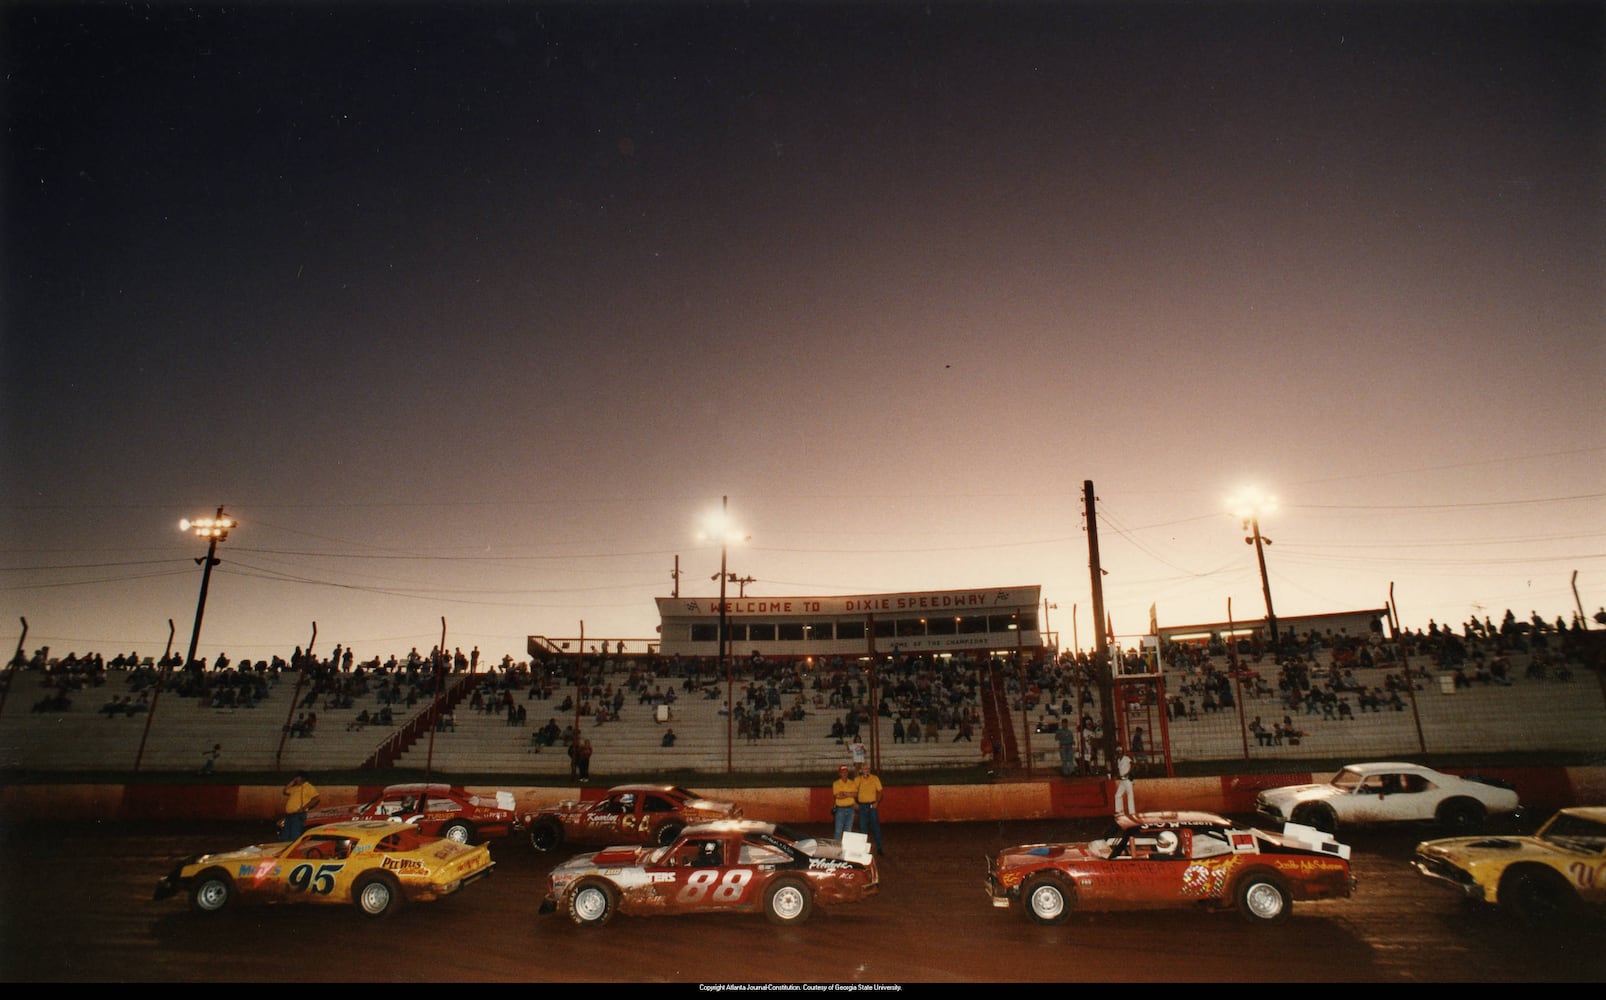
[476, 311]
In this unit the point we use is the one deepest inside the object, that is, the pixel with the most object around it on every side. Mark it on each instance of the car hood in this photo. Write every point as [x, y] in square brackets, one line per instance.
[256, 852]
[330, 814]
[1031, 855]
[1303, 793]
[1474, 848]
[622, 856]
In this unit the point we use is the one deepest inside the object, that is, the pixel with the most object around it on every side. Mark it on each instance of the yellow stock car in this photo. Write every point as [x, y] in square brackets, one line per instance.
[1547, 879]
[374, 864]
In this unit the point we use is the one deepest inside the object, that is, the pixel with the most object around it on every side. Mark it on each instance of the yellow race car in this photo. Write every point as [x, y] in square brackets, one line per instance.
[1546, 880]
[376, 865]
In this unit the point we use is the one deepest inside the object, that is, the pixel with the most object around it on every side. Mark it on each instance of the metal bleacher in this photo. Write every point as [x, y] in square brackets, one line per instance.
[1538, 714]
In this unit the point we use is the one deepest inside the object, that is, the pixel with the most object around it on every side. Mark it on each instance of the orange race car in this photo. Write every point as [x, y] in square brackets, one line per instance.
[626, 814]
[1173, 859]
[439, 810]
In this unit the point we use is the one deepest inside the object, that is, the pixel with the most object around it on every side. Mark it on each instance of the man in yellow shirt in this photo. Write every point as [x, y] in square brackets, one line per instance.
[869, 795]
[844, 799]
[299, 796]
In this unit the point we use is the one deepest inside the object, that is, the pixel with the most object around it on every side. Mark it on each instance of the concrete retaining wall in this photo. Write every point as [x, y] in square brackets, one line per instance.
[1542, 790]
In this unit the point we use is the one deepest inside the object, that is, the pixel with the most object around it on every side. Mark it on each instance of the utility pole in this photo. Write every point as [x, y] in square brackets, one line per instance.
[214, 530]
[1102, 668]
[1265, 581]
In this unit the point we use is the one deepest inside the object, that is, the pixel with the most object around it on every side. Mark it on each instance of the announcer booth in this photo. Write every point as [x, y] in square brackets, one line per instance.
[977, 623]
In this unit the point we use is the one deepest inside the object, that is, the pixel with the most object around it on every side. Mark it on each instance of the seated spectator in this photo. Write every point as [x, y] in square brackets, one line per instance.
[669, 738]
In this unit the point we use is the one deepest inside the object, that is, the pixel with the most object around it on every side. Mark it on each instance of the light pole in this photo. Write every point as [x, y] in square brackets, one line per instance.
[1248, 507]
[719, 526]
[214, 530]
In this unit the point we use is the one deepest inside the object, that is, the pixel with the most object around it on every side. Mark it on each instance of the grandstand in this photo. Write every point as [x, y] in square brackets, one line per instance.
[1560, 709]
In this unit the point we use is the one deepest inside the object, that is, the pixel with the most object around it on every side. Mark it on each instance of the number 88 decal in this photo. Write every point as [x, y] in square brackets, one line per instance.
[727, 887]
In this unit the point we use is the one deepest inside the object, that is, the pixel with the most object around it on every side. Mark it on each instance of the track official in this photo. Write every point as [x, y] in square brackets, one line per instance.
[869, 797]
[844, 799]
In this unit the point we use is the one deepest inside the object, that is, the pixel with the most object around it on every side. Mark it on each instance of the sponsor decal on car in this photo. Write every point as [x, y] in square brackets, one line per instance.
[829, 865]
[402, 864]
[1204, 879]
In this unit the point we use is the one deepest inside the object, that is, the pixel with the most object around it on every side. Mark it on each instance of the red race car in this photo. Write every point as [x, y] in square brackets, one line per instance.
[731, 866]
[1173, 859]
[627, 814]
[438, 810]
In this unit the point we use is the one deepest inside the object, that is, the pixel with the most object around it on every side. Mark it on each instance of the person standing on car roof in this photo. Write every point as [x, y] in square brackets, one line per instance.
[844, 799]
[1123, 788]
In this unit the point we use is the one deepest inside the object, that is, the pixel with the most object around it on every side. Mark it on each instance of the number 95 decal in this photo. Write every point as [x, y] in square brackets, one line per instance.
[321, 882]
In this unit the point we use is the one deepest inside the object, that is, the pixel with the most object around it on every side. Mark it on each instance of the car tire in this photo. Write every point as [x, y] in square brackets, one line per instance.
[1461, 817]
[457, 831]
[1262, 898]
[1048, 899]
[668, 832]
[213, 891]
[1317, 817]
[1537, 897]
[376, 895]
[546, 835]
[788, 901]
[592, 901]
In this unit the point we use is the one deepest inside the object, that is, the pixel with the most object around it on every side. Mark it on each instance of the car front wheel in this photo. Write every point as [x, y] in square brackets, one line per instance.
[787, 901]
[1048, 899]
[213, 891]
[376, 895]
[1461, 817]
[592, 902]
[1537, 897]
[1262, 898]
[457, 831]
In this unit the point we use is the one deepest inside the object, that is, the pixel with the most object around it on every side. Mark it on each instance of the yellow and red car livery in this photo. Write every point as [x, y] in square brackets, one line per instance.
[1173, 859]
[376, 865]
[738, 866]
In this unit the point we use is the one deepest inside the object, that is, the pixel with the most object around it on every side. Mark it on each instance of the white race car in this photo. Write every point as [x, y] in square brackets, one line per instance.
[1391, 792]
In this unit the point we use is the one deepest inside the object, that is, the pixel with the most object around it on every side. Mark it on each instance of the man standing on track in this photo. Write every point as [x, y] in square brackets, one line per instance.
[869, 796]
[844, 799]
[299, 796]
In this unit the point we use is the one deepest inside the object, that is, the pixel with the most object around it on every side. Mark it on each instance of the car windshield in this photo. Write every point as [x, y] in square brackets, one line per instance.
[1348, 779]
[1575, 833]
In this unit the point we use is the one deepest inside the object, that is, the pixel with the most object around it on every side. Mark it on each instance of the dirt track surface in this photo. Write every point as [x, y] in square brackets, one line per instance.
[77, 907]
